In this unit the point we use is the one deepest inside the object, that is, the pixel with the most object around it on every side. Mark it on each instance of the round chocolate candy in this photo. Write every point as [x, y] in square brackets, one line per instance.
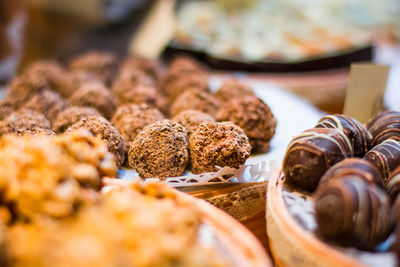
[310, 154]
[393, 183]
[353, 166]
[385, 157]
[396, 209]
[359, 137]
[384, 125]
[353, 212]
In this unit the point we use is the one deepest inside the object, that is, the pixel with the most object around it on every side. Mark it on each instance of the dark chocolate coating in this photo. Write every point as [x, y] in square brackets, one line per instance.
[393, 183]
[353, 212]
[356, 167]
[359, 137]
[396, 210]
[384, 125]
[385, 157]
[310, 154]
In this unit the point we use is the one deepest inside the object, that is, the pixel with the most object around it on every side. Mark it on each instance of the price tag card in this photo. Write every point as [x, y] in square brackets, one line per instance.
[365, 90]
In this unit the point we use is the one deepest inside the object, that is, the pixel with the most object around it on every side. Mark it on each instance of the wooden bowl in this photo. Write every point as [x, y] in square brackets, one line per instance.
[236, 239]
[290, 243]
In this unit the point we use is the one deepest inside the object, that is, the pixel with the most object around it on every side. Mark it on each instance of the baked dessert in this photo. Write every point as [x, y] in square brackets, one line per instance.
[72, 115]
[218, 144]
[254, 117]
[95, 95]
[130, 120]
[195, 99]
[102, 128]
[160, 150]
[191, 119]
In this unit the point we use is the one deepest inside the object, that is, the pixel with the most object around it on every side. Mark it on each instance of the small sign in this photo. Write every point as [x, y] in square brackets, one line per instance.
[365, 90]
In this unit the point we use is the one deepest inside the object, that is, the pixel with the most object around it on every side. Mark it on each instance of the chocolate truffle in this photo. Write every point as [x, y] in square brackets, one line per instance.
[74, 80]
[393, 183]
[197, 100]
[102, 64]
[175, 87]
[396, 210]
[310, 154]
[359, 137]
[355, 167]
[25, 122]
[23, 87]
[51, 71]
[130, 119]
[71, 116]
[254, 117]
[218, 144]
[353, 212]
[191, 119]
[152, 68]
[184, 65]
[233, 88]
[385, 157]
[7, 106]
[95, 95]
[160, 150]
[102, 128]
[384, 125]
[47, 102]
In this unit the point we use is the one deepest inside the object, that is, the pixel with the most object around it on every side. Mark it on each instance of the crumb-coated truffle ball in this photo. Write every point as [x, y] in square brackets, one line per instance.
[7, 106]
[47, 102]
[95, 95]
[152, 68]
[173, 88]
[102, 64]
[254, 117]
[50, 70]
[191, 119]
[184, 65]
[23, 87]
[72, 115]
[73, 80]
[98, 126]
[197, 100]
[218, 144]
[233, 88]
[24, 122]
[130, 119]
[160, 150]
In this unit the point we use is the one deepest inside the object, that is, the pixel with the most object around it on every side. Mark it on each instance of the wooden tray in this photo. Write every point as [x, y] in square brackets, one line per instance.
[291, 244]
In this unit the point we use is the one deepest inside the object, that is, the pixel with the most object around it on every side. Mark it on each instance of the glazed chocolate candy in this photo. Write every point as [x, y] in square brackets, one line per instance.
[393, 183]
[310, 154]
[385, 157]
[353, 212]
[359, 137]
[353, 166]
[384, 125]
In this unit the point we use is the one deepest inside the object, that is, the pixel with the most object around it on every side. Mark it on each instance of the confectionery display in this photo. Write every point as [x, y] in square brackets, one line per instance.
[25, 121]
[72, 115]
[191, 119]
[233, 88]
[384, 125]
[195, 99]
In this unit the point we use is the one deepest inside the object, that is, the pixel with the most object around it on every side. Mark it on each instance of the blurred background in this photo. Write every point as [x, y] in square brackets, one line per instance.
[305, 46]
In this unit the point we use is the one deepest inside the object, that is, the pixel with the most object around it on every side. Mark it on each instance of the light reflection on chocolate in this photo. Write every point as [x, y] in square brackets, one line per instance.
[393, 183]
[383, 126]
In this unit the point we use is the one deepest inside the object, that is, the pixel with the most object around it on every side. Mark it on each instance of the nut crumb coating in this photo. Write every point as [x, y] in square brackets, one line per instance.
[160, 150]
[72, 115]
[23, 87]
[191, 119]
[233, 88]
[218, 144]
[102, 128]
[197, 100]
[50, 70]
[7, 106]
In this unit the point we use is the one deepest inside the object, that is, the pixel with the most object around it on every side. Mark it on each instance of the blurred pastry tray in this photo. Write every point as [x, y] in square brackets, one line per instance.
[328, 61]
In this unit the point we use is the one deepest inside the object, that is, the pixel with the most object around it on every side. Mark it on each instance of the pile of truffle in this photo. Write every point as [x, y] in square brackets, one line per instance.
[128, 105]
[354, 174]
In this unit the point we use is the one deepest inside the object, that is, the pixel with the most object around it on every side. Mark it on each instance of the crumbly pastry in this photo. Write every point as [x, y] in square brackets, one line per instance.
[95, 95]
[160, 150]
[197, 100]
[254, 117]
[72, 115]
[130, 120]
[360, 138]
[191, 119]
[218, 144]
[102, 128]
[48, 103]
[385, 157]
[310, 154]
[355, 167]
[25, 122]
[233, 88]
[50, 70]
[383, 126]
[353, 212]
[102, 64]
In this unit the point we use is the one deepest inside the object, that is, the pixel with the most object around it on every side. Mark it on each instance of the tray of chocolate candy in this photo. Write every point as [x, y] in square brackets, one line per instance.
[335, 200]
